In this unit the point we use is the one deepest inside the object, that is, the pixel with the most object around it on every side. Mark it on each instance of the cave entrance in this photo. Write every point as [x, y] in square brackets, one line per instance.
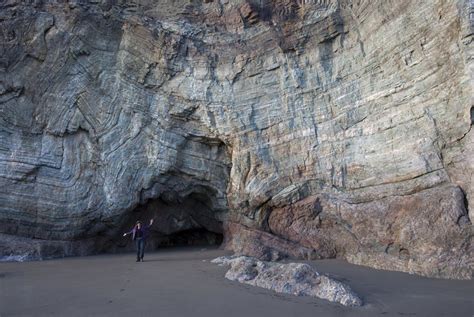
[192, 237]
[188, 221]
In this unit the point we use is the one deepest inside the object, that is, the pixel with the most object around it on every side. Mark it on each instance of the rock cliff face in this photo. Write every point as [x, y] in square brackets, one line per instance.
[305, 128]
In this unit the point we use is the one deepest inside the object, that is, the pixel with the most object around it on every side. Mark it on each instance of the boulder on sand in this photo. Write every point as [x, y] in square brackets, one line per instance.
[299, 279]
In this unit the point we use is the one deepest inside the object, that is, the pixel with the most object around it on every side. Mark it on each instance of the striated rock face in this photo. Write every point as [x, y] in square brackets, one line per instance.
[291, 278]
[314, 129]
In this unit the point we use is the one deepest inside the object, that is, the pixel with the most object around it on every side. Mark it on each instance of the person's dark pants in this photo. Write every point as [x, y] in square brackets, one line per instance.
[140, 242]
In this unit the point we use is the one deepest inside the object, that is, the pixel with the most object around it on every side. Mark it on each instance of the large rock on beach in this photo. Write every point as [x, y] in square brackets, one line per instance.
[298, 279]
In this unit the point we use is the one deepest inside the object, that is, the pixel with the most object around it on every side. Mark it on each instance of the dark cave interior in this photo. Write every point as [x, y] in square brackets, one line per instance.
[191, 221]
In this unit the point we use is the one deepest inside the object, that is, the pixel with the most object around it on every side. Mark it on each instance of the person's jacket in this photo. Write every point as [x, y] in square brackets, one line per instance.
[144, 230]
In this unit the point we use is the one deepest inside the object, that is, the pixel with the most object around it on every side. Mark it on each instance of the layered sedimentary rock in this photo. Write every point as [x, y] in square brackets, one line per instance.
[324, 128]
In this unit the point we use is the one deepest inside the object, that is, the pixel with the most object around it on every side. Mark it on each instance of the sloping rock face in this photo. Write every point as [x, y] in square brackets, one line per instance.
[316, 128]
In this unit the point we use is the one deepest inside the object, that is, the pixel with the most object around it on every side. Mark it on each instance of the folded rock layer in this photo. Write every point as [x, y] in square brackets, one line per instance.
[313, 129]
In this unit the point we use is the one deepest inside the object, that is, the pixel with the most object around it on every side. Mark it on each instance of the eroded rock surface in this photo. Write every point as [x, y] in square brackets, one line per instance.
[309, 129]
[290, 278]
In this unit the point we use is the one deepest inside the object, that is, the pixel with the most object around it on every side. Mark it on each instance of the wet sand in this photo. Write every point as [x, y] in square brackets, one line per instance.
[182, 282]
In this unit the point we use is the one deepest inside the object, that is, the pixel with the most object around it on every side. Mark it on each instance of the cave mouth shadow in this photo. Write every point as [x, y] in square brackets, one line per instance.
[191, 237]
[178, 222]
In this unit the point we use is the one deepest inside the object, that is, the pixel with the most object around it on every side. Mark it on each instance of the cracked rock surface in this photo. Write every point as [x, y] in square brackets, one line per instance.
[308, 129]
[290, 278]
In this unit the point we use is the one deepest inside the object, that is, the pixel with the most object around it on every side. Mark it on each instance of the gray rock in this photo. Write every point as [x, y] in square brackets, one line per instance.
[288, 126]
[290, 278]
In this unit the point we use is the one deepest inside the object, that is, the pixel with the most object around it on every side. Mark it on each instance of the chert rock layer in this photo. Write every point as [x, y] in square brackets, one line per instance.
[315, 128]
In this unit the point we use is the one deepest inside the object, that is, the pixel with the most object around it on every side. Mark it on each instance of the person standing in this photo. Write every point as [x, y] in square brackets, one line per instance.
[139, 235]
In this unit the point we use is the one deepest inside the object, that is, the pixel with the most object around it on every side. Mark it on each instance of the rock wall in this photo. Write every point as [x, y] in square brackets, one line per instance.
[315, 128]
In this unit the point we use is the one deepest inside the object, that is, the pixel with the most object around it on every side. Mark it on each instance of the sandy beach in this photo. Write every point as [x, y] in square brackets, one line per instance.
[183, 282]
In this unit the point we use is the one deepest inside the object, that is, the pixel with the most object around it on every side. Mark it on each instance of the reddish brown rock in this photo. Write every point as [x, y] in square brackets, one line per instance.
[407, 233]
